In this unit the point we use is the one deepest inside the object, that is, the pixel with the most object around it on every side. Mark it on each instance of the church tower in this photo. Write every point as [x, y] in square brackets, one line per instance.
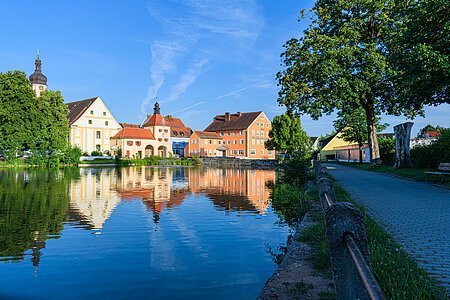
[37, 79]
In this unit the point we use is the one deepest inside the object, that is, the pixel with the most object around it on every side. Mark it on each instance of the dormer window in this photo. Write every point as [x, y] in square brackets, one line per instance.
[182, 133]
[175, 133]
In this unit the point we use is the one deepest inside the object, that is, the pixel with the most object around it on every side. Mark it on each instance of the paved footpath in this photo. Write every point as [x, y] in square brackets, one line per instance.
[416, 213]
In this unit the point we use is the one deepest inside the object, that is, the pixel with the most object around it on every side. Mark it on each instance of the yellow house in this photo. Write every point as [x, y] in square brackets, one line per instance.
[91, 125]
[335, 148]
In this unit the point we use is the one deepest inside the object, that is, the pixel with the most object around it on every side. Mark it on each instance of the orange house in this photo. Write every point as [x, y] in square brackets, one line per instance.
[243, 134]
[205, 144]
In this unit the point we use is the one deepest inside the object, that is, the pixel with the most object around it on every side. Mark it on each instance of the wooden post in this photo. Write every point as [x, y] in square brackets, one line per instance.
[402, 140]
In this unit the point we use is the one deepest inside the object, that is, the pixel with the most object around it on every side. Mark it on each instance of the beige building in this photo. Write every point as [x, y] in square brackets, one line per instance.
[91, 125]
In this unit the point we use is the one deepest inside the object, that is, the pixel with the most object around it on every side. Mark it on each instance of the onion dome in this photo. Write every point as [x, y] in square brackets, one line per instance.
[37, 77]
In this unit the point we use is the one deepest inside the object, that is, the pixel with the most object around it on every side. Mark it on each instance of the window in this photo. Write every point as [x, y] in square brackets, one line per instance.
[220, 142]
[229, 142]
[253, 133]
[92, 112]
[241, 152]
[235, 142]
[262, 152]
[262, 124]
[221, 133]
[130, 143]
[97, 147]
[98, 134]
[89, 121]
[210, 152]
[160, 130]
[262, 133]
[267, 125]
[228, 133]
[269, 152]
[174, 133]
[242, 142]
[257, 142]
[253, 141]
[242, 132]
[104, 113]
[193, 141]
[252, 152]
[138, 143]
[257, 133]
[206, 152]
[215, 142]
[165, 130]
[257, 124]
[235, 133]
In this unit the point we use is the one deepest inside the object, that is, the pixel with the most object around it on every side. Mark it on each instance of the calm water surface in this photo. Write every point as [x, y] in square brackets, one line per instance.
[136, 233]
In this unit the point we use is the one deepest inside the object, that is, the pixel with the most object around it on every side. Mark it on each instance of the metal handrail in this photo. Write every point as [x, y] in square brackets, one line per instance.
[371, 284]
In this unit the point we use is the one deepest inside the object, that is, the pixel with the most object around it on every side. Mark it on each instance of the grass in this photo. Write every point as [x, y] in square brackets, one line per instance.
[98, 161]
[417, 174]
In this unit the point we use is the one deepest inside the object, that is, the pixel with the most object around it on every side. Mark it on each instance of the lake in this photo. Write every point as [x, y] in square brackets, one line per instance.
[136, 233]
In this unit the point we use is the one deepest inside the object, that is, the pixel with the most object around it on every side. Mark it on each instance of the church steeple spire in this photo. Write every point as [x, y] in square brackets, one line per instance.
[156, 107]
[37, 79]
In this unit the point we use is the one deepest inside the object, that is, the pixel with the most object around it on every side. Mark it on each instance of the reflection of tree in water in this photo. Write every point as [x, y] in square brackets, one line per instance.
[33, 206]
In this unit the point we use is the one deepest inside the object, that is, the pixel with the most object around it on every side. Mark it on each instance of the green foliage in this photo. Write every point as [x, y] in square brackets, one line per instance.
[419, 52]
[340, 64]
[96, 153]
[430, 128]
[288, 201]
[295, 171]
[17, 112]
[30, 122]
[196, 160]
[71, 156]
[431, 155]
[288, 136]
[387, 150]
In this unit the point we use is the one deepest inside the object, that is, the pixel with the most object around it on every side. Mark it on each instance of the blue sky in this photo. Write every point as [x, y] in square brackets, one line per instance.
[200, 57]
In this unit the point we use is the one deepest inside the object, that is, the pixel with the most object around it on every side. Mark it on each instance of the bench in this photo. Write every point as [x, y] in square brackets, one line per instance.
[442, 170]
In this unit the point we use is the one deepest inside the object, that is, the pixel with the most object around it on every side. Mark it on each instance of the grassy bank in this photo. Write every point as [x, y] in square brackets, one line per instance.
[399, 276]
[417, 174]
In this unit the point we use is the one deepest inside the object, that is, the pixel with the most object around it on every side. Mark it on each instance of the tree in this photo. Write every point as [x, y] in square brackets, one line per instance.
[419, 51]
[17, 112]
[52, 127]
[430, 128]
[288, 137]
[340, 64]
[353, 127]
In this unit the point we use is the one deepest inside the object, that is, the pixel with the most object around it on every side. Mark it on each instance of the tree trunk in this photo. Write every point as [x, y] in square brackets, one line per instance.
[360, 154]
[402, 138]
[372, 137]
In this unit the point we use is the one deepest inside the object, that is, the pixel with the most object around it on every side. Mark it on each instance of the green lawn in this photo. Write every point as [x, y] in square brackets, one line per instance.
[410, 173]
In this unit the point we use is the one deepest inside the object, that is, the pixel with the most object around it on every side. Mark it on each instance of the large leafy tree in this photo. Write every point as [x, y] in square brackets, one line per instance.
[340, 64]
[27, 121]
[52, 128]
[353, 127]
[17, 112]
[288, 137]
[419, 50]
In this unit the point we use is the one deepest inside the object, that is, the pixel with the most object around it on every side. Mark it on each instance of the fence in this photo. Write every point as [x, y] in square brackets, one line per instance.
[346, 234]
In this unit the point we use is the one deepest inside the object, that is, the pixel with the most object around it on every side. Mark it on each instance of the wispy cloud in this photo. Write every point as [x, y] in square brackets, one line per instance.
[189, 107]
[261, 84]
[203, 30]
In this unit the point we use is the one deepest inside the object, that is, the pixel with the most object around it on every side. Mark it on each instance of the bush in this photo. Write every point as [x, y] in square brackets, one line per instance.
[387, 150]
[296, 171]
[96, 153]
[431, 156]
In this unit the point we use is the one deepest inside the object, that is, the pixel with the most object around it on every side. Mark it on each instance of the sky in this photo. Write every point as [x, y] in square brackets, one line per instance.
[200, 58]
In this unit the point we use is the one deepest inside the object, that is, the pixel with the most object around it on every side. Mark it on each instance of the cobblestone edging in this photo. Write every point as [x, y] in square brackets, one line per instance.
[239, 163]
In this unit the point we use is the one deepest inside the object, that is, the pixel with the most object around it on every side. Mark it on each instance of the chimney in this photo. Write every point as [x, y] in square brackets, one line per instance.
[239, 114]
[227, 116]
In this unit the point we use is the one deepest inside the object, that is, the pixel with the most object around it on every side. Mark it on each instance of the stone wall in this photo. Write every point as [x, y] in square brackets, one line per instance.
[239, 163]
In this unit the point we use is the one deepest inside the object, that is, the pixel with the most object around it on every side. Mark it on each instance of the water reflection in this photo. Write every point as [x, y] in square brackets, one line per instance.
[35, 203]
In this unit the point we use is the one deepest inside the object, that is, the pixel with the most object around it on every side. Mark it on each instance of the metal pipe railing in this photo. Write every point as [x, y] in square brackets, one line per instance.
[340, 217]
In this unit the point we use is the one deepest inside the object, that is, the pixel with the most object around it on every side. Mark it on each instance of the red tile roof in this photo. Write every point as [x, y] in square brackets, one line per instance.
[155, 120]
[207, 135]
[432, 133]
[134, 133]
[129, 125]
[238, 121]
[77, 108]
[177, 127]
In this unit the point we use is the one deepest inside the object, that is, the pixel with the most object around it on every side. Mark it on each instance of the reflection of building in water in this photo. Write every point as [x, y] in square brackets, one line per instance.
[92, 196]
[233, 189]
[158, 188]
